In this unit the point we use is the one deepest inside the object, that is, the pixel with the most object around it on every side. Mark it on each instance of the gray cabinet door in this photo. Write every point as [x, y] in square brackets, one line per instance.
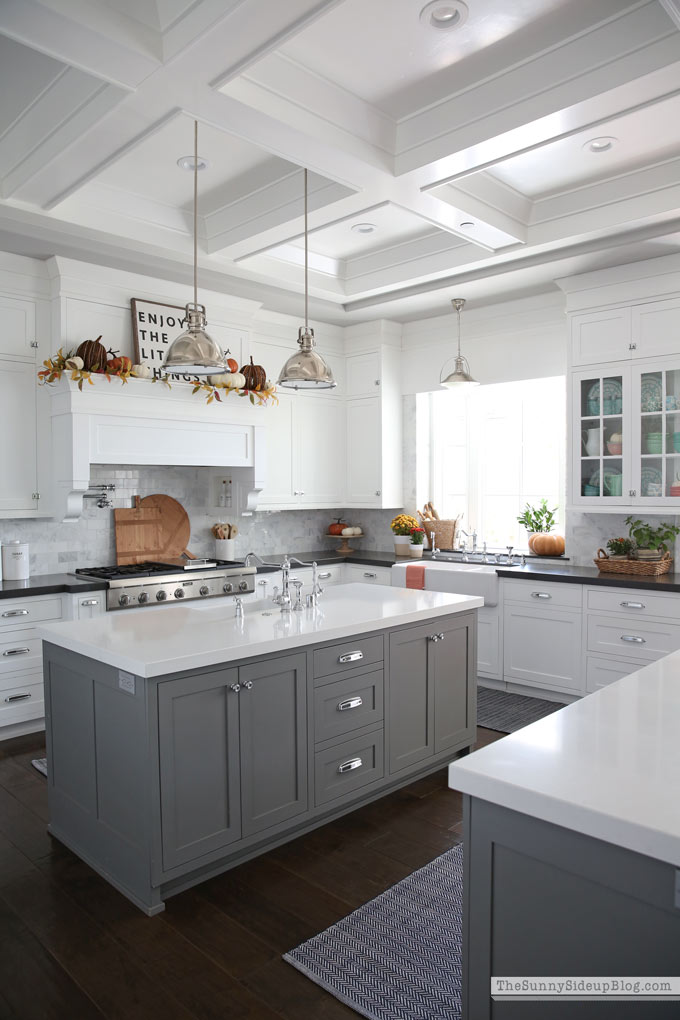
[455, 691]
[199, 765]
[273, 713]
[410, 697]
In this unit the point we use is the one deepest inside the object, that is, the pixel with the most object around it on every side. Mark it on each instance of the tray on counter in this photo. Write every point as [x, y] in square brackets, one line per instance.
[606, 565]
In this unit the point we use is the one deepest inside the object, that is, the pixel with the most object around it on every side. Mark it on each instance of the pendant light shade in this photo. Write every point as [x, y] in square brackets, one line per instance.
[461, 370]
[194, 352]
[306, 370]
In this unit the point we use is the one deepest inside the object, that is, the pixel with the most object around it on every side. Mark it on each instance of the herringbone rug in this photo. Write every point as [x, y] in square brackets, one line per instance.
[399, 956]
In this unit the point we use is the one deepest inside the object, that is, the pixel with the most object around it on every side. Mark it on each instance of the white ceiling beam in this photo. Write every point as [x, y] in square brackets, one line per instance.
[672, 9]
[497, 115]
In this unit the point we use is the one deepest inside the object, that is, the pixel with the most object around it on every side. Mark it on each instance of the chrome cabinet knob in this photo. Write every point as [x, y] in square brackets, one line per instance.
[235, 688]
[161, 595]
[247, 684]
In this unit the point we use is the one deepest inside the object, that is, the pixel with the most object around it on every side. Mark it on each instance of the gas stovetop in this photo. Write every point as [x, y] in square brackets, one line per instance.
[140, 584]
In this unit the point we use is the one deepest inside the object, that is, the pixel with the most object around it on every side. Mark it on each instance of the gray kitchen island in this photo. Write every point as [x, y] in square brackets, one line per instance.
[181, 743]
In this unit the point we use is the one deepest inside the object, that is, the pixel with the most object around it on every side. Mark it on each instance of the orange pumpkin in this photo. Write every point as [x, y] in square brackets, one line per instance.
[121, 364]
[543, 544]
[232, 364]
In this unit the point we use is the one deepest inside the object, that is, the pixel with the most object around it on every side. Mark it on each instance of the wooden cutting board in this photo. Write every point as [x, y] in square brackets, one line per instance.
[175, 526]
[138, 533]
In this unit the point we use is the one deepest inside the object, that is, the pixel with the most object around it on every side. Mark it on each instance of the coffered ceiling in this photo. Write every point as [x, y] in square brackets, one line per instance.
[484, 148]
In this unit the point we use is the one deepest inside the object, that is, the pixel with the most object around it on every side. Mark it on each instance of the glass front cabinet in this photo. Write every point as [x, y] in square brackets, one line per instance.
[626, 436]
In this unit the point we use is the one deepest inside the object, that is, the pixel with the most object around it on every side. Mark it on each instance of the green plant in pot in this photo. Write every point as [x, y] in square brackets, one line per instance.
[539, 522]
[620, 548]
[651, 543]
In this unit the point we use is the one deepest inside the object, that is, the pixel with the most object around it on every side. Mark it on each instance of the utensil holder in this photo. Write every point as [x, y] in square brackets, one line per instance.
[225, 548]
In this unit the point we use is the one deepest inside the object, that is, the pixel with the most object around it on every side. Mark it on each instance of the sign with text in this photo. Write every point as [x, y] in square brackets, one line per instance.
[155, 326]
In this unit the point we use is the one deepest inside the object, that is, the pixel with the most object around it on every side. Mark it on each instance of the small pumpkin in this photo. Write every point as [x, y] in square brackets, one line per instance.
[543, 544]
[234, 380]
[232, 364]
[75, 363]
[142, 371]
[120, 364]
[255, 376]
[94, 355]
[337, 528]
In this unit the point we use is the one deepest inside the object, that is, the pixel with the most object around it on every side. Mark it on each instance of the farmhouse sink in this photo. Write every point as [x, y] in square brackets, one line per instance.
[457, 578]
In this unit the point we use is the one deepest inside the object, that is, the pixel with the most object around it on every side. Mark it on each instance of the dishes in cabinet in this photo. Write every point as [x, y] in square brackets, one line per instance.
[651, 394]
[651, 480]
[612, 397]
[654, 442]
[612, 482]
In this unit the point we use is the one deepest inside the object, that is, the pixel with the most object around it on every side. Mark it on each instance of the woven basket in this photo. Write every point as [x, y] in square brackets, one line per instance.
[444, 533]
[608, 566]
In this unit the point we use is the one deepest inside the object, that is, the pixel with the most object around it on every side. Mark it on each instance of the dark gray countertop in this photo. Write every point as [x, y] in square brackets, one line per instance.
[590, 575]
[49, 584]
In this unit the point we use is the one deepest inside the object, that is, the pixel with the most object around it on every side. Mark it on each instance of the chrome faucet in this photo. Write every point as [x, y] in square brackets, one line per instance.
[317, 590]
[281, 598]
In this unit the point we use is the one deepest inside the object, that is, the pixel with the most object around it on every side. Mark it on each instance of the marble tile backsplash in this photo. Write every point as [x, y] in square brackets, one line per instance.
[57, 548]
[586, 533]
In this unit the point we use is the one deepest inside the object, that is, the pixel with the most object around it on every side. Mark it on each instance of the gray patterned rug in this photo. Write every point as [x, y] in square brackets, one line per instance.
[505, 712]
[399, 956]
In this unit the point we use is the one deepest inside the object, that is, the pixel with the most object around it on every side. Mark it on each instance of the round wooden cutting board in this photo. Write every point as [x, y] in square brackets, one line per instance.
[175, 526]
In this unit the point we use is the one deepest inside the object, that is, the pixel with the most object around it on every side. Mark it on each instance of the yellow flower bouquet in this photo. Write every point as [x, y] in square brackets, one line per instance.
[403, 524]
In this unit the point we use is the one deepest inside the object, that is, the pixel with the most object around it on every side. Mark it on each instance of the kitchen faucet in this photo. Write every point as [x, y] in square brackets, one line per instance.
[283, 598]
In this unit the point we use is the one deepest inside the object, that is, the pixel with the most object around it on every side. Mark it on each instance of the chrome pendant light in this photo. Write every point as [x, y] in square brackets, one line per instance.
[306, 370]
[194, 352]
[461, 370]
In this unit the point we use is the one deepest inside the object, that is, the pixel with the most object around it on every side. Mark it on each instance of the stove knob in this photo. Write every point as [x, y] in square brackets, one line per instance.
[179, 593]
[124, 600]
[204, 590]
[143, 597]
[161, 595]
[243, 586]
[228, 587]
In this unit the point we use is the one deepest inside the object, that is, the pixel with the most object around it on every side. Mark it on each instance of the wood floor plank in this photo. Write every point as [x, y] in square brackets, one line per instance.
[294, 996]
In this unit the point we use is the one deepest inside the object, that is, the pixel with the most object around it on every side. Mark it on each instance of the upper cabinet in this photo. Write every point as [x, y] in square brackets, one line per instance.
[374, 429]
[648, 330]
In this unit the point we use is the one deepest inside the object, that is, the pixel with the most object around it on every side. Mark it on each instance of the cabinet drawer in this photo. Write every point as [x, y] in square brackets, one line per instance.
[19, 650]
[544, 593]
[348, 766]
[22, 702]
[348, 705]
[601, 672]
[353, 654]
[639, 640]
[633, 603]
[366, 574]
[17, 612]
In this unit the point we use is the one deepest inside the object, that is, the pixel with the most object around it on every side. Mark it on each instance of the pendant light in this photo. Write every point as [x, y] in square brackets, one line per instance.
[461, 370]
[194, 352]
[306, 370]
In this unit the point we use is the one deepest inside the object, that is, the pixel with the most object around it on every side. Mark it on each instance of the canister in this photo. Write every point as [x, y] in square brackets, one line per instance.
[15, 561]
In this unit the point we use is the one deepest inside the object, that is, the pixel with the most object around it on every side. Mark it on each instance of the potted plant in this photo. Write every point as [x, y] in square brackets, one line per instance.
[402, 526]
[620, 548]
[415, 549]
[651, 543]
[539, 522]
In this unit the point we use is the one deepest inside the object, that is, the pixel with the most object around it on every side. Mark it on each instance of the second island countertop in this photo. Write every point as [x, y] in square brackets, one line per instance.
[156, 641]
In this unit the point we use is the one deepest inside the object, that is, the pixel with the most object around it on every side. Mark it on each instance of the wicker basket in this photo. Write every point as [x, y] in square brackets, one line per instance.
[444, 533]
[641, 567]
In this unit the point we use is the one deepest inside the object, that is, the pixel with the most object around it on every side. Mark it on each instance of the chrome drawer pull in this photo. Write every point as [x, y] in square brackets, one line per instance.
[343, 706]
[632, 639]
[367, 573]
[17, 697]
[16, 612]
[17, 651]
[325, 575]
[633, 605]
[351, 657]
[90, 602]
[540, 595]
[349, 766]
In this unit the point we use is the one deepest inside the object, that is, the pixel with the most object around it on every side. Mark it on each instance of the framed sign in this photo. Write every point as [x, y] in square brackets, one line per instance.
[154, 327]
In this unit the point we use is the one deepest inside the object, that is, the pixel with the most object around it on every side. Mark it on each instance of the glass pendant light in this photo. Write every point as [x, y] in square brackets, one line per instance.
[306, 369]
[461, 370]
[194, 352]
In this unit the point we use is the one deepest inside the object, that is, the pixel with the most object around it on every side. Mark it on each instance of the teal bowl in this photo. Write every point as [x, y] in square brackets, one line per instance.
[676, 442]
[591, 490]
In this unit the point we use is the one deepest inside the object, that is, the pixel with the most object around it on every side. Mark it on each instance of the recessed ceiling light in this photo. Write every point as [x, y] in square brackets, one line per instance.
[446, 14]
[187, 163]
[603, 144]
[466, 224]
[363, 228]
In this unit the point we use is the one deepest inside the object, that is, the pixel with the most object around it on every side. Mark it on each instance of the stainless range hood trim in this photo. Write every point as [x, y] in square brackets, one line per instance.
[145, 423]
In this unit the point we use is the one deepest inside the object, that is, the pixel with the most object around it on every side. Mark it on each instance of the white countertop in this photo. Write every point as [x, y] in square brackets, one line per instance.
[156, 640]
[607, 766]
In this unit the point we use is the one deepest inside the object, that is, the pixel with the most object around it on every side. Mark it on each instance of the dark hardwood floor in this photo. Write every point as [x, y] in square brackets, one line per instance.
[72, 947]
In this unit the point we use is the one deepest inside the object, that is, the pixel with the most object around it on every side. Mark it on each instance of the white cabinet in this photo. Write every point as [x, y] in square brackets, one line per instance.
[489, 643]
[542, 635]
[18, 438]
[305, 454]
[88, 605]
[655, 328]
[365, 574]
[374, 430]
[601, 336]
[18, 328]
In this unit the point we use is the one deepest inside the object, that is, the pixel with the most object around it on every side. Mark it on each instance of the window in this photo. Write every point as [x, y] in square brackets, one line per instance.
[495, 448]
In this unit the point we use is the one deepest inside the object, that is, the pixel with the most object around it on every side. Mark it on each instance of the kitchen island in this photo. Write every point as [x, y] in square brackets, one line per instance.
[572, 847]
[181, 743]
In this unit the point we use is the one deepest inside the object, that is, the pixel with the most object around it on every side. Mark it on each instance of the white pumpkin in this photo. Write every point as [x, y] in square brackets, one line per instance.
[142, 371]
[232, 380]
[347, 532]
[75, 363]
[356, 531]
